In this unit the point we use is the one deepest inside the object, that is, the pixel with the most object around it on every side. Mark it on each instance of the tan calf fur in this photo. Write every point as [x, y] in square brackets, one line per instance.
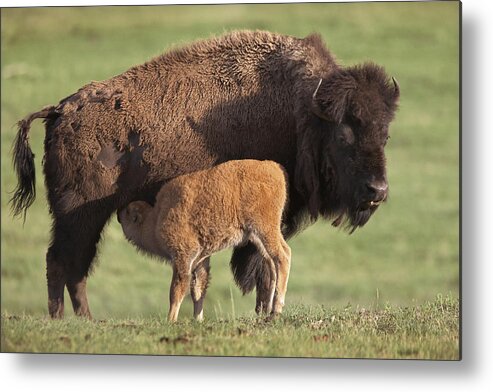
[201, 213]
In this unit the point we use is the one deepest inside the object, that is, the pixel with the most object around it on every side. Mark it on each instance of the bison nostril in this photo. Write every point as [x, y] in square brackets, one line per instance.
[377, 190]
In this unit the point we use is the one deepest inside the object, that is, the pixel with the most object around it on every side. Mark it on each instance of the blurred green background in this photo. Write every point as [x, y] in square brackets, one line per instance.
[408, 252]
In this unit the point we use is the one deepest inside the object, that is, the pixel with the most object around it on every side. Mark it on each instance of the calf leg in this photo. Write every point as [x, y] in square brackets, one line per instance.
[180, 283]
[283, 263]
[68, 261]
[272, 284]
[277, 248]
[269, 277]
[198, 287]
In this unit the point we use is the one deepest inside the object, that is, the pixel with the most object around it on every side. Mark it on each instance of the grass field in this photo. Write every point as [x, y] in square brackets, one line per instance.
[426, 331]
[403, 258]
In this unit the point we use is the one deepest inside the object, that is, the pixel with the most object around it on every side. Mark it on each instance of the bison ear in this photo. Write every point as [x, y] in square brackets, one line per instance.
[330, 100]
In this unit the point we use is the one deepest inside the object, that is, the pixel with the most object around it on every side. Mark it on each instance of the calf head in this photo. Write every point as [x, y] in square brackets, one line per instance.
[132, 217]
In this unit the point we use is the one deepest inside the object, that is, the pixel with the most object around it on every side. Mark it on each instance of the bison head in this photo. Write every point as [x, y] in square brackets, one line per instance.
[341, 159]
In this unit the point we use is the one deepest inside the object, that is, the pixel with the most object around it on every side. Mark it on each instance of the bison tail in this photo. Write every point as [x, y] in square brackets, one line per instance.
[23, 160]
[248, 267]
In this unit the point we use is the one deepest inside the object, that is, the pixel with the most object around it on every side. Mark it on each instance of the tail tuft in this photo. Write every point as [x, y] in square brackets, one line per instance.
[23, 161]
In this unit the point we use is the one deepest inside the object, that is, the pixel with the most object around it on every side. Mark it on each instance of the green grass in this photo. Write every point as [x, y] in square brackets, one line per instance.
[406, 255]
[428, 331]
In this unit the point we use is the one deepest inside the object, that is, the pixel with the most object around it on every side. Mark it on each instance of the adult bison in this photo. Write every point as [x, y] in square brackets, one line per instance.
[244, 95]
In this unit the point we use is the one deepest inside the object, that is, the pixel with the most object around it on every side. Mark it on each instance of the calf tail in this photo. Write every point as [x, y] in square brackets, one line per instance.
[23, 160]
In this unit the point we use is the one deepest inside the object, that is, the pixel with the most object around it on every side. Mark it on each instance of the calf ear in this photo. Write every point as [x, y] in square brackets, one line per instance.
[331, 98]
[136, 211]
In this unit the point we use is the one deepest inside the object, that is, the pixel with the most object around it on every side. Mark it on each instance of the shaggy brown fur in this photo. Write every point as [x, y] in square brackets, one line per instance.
[198, 214]
[243, 95]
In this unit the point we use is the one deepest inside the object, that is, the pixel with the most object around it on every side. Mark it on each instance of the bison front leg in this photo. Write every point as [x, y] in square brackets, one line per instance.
[250, 270]
[263, 288]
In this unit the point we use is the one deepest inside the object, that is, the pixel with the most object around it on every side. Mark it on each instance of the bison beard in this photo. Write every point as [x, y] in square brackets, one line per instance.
[246, 95]
[354, 219]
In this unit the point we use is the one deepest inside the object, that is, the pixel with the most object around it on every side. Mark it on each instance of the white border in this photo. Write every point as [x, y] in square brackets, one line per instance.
[39, 3]
[473, 373]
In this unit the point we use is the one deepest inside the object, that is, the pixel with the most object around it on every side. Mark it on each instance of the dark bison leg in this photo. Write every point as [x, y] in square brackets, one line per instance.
[76, 286]
[250, 270]
[55, 275]
[69, 258]
[262, 287]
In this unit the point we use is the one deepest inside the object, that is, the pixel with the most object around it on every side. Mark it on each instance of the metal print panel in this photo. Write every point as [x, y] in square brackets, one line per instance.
[275, 180]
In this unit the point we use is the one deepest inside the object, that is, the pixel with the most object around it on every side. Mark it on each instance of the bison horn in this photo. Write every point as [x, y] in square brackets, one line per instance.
[396, 87]
[315, 107]
[316, 90]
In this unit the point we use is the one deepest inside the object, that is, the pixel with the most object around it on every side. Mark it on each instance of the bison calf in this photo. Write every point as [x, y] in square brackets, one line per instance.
[201, 213]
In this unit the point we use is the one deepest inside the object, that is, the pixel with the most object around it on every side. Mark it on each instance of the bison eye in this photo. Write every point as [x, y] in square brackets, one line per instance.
[345, 135]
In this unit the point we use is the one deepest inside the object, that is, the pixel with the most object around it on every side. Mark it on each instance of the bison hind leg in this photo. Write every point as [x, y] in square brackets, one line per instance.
[75, 236]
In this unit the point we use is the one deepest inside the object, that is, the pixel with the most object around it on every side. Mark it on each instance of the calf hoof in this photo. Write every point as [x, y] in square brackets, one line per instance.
[199, 317]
